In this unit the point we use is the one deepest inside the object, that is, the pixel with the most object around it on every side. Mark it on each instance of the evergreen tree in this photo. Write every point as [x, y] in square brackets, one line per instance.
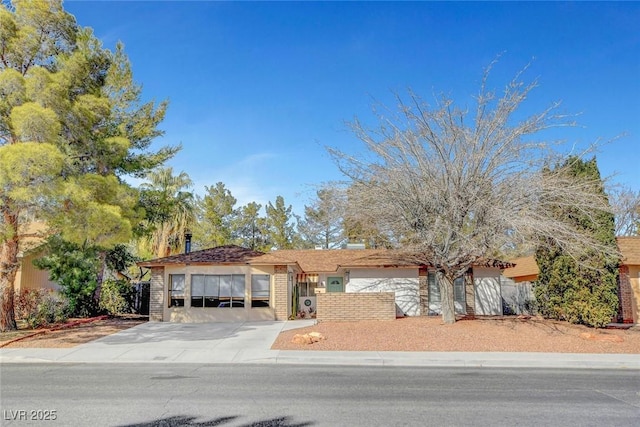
[281, 232]
[323, 222]
[582, 290]
[71, 125]
[250, 229]
[216, 217]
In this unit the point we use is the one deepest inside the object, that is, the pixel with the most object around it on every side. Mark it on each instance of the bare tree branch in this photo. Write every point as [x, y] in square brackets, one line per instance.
[455, 193]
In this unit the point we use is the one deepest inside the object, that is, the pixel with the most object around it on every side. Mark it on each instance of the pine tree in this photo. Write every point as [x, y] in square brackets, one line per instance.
[217, 214]
[250, 229]
[71, 125]
[323, 219]
[281, 232]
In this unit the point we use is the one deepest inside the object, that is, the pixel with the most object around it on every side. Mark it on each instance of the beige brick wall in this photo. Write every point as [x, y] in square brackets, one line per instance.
[281, 300]
[470, 294]
[423, 291]
[625, 296]
[156, 294]
[339, 306]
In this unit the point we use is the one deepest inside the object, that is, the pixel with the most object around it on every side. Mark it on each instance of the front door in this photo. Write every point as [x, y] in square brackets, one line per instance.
[335, 284]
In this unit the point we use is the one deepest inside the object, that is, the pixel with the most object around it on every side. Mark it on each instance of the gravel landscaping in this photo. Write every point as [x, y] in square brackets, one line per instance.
[508, 334]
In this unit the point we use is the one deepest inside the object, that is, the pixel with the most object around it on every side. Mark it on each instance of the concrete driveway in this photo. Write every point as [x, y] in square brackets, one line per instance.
[235, 342]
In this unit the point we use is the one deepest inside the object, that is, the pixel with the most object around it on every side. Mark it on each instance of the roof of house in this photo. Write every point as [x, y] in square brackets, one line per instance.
[308, 260]
[312, 260]
[524, 266]
[229, 254]
[630, 249]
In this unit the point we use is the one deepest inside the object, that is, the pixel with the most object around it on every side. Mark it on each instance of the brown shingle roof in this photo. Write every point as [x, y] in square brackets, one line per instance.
[317, 261]
[525, 266]
[308, 260]
[229, 254]
[630, 249]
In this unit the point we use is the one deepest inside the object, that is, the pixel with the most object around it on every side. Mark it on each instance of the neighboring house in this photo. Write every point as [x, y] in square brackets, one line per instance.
[629, 281]
[517, 286]
[28, 275]
[526, 271]
[231, 283]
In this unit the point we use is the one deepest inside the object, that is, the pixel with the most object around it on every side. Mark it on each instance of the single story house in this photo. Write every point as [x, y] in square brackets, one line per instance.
[231, 283]
[526, 271]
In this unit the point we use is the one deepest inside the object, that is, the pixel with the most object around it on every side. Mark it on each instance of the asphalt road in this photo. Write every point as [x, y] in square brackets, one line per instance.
[283, 395]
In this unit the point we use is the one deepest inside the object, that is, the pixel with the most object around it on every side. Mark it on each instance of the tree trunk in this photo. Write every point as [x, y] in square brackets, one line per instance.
[102, 257]
[446, 297]
[8, 268]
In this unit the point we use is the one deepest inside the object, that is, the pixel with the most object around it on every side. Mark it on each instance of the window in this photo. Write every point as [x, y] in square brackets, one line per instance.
[434, 289]
[435, 296]
[260, 290]
[307, 289]
[209, 290]
[458, 290]
[176, 290]
[205, 290]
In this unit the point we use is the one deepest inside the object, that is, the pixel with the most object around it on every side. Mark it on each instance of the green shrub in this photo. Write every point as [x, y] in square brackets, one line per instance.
[116, 297]
[75, 268]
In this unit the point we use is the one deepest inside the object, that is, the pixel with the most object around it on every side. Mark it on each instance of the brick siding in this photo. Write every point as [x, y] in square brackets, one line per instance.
[340, 306]
[281, 292]
[423, 291]
[625, 296]
[156, 294]
[470, 294]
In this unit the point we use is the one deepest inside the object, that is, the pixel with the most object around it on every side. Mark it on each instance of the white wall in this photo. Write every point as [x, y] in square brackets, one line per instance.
[402, 281]
[487, 291]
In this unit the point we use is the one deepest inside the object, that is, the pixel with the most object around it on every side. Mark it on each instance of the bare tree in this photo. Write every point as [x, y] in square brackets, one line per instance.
[626, 208]
[456, 188]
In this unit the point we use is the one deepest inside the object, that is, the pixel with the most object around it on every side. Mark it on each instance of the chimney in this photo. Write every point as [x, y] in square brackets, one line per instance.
[187, 242]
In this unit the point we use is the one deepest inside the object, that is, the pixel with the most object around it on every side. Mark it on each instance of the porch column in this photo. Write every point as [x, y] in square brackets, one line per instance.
[470, 293]
[423, 291]
[625, 295]
[281, 292]
[156, 294]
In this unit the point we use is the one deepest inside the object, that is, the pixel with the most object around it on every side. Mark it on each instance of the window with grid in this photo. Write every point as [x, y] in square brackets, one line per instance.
[260, 290]
[176, 290]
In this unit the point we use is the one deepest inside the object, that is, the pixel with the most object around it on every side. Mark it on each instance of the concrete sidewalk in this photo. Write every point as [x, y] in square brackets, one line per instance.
[250, 342]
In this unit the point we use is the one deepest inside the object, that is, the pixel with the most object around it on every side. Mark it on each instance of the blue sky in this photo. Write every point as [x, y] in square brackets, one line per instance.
[258, 89]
